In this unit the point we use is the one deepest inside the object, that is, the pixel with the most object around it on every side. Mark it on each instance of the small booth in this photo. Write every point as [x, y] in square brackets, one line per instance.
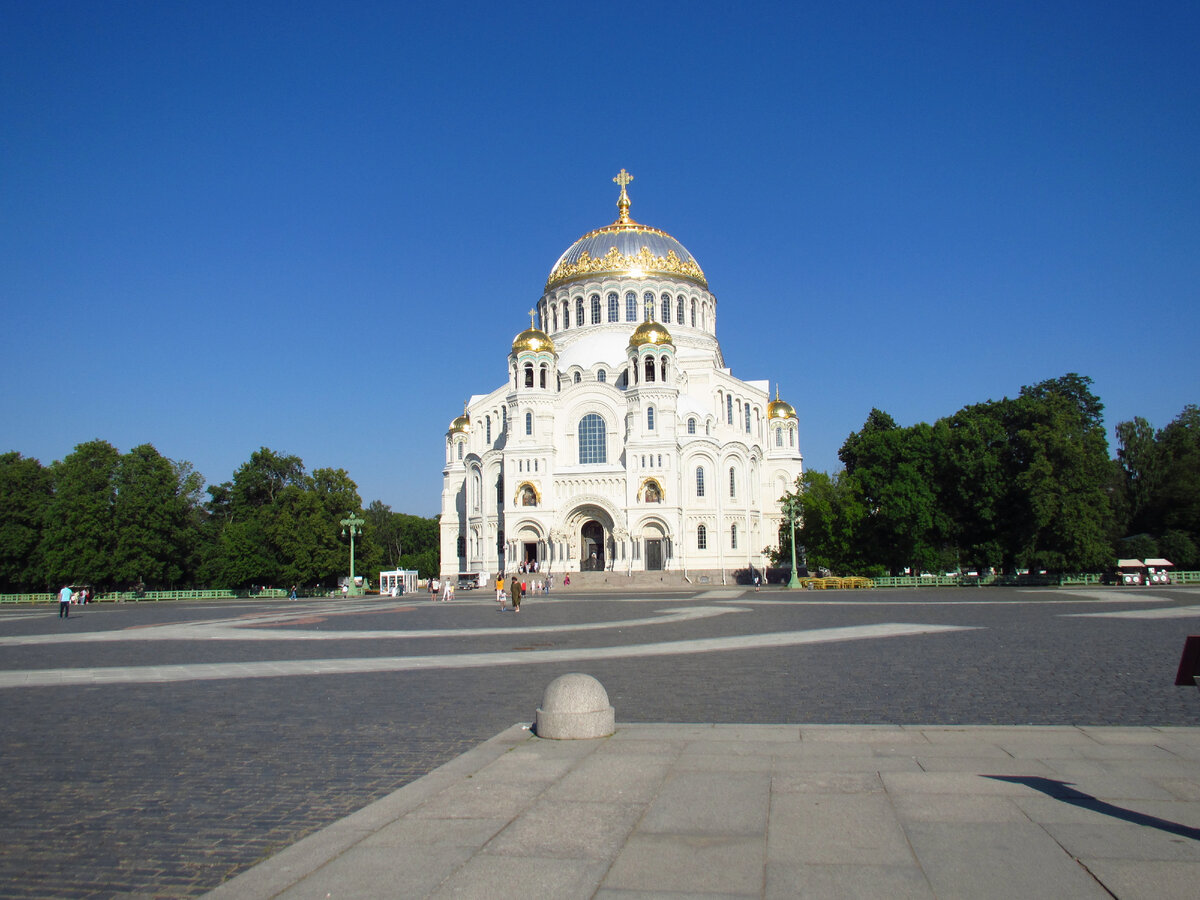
[1158, 571]
[1129, 572]
[397, 582]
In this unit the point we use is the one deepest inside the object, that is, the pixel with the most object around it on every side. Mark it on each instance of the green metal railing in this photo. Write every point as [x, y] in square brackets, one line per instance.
[151, 596]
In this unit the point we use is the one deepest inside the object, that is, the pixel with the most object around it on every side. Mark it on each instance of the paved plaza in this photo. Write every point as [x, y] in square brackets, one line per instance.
[158, 750]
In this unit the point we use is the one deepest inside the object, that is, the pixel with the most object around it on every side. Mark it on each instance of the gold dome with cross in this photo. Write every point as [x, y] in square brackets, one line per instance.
[532, 338]
[780, 409]
[626, 249]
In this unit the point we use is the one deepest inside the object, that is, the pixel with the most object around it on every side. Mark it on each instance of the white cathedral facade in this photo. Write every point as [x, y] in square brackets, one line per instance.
[620, 440]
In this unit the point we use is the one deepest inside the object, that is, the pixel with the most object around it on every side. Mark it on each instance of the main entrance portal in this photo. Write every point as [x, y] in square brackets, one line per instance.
[592, 545]
[654, 562]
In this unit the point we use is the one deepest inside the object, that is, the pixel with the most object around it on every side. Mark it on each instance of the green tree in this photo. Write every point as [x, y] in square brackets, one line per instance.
[152, 511]
[1058, 458]
[1138, 456]
[1177, 504]
[80, 537]
[897, 472]
[26, 490]
[975, 484]
[832, 513]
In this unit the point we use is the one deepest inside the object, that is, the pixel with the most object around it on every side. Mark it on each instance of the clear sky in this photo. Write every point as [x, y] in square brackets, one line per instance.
[317, 226]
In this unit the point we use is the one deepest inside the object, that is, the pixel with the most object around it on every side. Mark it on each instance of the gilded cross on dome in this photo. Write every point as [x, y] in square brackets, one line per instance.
[623, 178]
[531, 315]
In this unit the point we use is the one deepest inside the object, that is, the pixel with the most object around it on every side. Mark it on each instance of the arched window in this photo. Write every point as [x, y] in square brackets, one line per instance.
[543, 376]
[729, 409]
[648, 302]
[554, 316]
[592, 447]
[693, 312]
[460, 449]
[614, 309]
[791, 437]
[732, 484]
[578, 378]
[747, 418]
[602, 376]
[476, 490]
[649, 418]
[701, 537]
[692, 425]
[488, 422]
[666, 309]
[733, 536]
[679, 310]
[566, 315]
[699, 481]
[579, 311]
[649, 368]
[528, 374]
[529, 423]
[664, 368]
[631, 313]
[778, 436]
[595, 309]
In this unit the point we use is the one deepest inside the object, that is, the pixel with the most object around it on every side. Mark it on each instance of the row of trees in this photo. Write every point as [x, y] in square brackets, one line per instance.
[118, 520]
[1015, 483]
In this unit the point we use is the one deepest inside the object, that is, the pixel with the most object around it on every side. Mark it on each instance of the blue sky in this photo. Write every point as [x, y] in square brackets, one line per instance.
[317, 226]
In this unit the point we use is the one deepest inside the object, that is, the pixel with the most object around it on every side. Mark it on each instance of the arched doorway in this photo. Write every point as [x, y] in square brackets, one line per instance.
[654, 540]
[591, 545]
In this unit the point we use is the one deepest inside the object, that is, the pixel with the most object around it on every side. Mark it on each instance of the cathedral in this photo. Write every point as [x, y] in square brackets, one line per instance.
[620, 442]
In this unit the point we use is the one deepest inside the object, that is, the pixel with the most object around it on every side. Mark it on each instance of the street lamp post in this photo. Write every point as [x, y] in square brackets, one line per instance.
[791, 509]
[352, 524]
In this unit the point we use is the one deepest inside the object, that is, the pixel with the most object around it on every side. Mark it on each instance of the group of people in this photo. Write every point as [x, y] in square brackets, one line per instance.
[68, 597]
[447, 590]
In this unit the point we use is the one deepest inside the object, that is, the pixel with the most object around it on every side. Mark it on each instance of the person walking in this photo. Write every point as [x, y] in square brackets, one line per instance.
[500, 589]
[515, 590]
[64, 602]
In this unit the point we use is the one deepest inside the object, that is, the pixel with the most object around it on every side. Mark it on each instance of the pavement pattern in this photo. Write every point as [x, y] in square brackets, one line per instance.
[156, 750]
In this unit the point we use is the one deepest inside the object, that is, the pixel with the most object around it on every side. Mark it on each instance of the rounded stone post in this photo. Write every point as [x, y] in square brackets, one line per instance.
[574, 707]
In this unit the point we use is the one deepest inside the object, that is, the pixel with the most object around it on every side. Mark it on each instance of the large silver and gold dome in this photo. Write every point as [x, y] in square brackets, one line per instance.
[626, 247]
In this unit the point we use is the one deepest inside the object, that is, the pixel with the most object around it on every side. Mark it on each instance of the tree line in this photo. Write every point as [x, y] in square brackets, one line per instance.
[1011, 484]
[119, 520]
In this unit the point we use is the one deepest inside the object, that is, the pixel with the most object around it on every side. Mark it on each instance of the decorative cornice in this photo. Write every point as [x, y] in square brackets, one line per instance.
[643, 262]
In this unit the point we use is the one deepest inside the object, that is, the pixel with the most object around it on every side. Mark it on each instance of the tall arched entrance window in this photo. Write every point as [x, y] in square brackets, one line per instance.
[591, 543]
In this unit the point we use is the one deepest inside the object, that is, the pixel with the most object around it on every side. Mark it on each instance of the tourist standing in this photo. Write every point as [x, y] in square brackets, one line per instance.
[64, 602]
[500, 589]
[516, 594]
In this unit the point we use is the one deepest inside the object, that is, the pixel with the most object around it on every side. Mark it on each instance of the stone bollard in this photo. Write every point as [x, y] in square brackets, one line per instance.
[574, 707]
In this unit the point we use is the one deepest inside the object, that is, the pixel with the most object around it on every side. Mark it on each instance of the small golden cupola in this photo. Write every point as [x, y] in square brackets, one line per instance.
[780, 409]
[461, 425]
[650, 333]
[532, 339]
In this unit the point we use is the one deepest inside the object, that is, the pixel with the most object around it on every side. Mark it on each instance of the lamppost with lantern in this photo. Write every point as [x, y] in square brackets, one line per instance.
[352, 524]
[791, 510]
